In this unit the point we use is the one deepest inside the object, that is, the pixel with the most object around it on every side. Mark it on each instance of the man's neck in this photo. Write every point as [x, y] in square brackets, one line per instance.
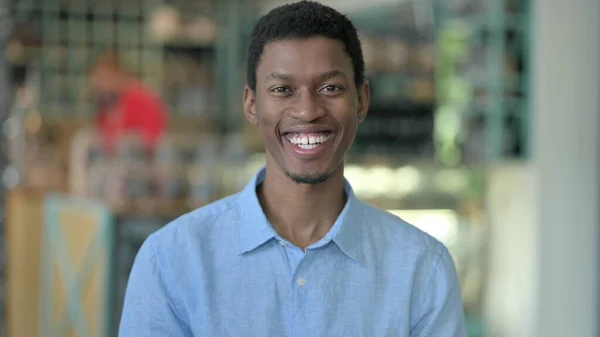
[301, 213]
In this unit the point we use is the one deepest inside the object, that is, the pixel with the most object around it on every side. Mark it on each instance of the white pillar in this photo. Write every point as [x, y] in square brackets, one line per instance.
[565, 92]
[510, 294]
[544, 214]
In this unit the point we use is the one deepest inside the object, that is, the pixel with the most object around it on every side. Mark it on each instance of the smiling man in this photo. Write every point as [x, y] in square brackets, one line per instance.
[295, 253]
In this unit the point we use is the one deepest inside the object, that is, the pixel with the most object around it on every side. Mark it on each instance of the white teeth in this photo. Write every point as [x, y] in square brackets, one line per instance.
[311, 142]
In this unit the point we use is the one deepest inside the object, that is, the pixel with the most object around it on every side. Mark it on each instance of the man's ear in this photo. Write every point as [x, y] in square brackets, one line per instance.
[364, 97]
[250, 105]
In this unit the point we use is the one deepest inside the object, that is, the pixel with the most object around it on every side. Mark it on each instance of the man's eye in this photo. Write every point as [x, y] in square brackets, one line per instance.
[281, 89]
[331, 88]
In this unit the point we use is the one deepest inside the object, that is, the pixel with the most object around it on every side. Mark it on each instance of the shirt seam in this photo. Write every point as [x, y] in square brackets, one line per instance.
[172, 306]
[431, 277]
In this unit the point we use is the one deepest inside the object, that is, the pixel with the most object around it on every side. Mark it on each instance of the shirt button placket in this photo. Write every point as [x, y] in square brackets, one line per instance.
[300, 292]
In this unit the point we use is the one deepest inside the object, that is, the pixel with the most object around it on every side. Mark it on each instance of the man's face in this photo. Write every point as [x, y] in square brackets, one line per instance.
[307, 106]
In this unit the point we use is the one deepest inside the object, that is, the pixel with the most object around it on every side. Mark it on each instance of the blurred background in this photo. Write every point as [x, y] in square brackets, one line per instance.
[120, 115]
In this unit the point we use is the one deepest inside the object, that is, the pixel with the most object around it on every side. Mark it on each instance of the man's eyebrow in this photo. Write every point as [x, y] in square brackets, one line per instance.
[278, 76]
[322, 77]
[330, 74]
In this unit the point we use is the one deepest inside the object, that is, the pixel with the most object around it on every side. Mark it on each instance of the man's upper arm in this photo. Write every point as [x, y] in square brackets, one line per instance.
[438, 310]
[148, 310]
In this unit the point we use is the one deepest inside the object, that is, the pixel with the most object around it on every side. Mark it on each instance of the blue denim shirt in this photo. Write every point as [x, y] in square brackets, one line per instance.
[222, 271]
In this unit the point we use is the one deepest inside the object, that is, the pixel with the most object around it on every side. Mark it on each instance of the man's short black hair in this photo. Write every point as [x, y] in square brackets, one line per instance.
[303, 20]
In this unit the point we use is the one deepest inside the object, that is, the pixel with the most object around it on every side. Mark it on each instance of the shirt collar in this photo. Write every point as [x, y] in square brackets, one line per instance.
[255, 229]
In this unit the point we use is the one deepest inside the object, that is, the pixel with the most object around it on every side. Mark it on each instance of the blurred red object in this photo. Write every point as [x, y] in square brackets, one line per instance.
[125, 105]
[136, 111]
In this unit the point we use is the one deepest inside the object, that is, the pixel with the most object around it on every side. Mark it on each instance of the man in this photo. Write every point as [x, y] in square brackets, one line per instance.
[126, 106]
[295, 253]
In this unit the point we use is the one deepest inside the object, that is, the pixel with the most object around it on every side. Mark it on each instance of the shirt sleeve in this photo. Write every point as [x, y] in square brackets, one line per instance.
[439, 309]
[148, 310]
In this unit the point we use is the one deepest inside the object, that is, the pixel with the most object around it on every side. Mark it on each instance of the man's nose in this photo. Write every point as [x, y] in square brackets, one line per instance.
[307, 106]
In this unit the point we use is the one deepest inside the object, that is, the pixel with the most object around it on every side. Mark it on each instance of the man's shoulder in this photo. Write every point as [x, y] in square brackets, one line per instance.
[399, 246]
[387, 229]
[219, 217]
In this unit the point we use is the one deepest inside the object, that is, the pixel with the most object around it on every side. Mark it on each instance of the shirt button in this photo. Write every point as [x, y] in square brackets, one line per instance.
[282, 243]
[301, 282]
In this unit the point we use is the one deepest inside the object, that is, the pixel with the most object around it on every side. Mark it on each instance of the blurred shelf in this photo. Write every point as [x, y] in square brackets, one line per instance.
[482, 22]
[407, 74]
[395, 19]
[191, 124]
[171, 209]
[187, 43]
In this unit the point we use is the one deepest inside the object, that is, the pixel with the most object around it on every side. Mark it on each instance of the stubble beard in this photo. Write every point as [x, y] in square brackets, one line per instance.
[311, 179]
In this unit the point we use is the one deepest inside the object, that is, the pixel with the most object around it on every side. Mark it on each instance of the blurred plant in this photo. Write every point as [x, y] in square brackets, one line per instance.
[453, 92]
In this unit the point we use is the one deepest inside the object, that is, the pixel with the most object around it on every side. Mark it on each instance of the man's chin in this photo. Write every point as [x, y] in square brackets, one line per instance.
[308, 179]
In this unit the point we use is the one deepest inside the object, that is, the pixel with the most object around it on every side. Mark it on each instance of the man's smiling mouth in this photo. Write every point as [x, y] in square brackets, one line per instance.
[308, 141]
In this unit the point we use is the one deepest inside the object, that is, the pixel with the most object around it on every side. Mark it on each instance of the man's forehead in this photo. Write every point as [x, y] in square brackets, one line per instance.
[301, 43]
[283, 57]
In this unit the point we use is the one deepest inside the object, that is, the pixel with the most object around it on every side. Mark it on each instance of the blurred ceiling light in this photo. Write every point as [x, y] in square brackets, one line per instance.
[381, 178]
[10, 177]
[11, 128]
[356, 176]
[165, 23]
[383, 181]
[442, 224]
[408, 179]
